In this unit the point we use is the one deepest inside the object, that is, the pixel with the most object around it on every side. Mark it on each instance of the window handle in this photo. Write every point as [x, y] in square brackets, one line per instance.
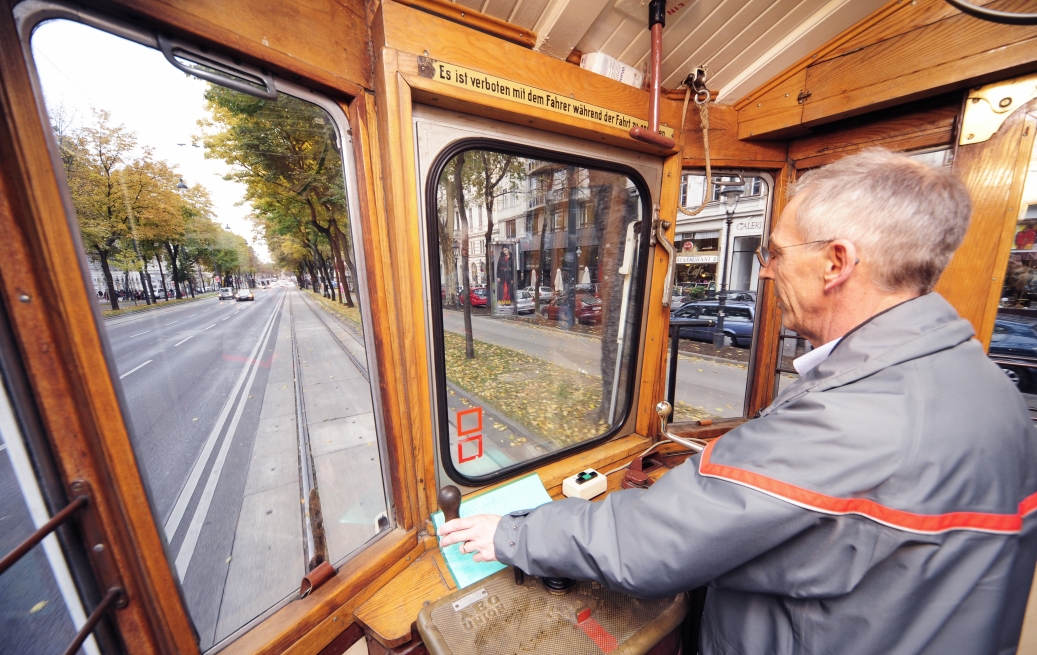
[659, 228]
[218, 69]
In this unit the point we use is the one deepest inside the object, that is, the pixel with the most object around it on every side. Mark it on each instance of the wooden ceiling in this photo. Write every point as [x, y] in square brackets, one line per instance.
[742, 43]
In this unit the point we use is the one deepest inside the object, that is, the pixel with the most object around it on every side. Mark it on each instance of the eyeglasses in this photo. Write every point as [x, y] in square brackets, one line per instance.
[764, 254]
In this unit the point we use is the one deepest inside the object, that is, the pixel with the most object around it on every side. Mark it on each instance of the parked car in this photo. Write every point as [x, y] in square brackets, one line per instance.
[545, 293]
[738, 321]
[524, 302]
[478, 296]
[226, 293]
[244, 294]
[1013, 347]
[587, 308]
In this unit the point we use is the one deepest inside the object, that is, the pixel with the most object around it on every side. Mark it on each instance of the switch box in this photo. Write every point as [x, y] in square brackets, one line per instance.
[585, 484]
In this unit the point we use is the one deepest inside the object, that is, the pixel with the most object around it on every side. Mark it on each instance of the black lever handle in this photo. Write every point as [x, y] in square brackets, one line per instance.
[450, 502]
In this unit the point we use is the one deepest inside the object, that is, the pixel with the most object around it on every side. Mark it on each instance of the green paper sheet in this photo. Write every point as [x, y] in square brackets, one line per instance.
[524, 493]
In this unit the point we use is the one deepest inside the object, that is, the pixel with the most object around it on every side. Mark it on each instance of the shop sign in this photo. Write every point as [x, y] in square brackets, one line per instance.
[697, 259]
[748, 226]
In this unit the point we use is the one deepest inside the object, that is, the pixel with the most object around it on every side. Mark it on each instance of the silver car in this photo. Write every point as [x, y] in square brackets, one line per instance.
[524, 302]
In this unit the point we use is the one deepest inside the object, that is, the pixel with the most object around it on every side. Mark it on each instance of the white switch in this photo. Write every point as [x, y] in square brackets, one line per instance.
[585, 484]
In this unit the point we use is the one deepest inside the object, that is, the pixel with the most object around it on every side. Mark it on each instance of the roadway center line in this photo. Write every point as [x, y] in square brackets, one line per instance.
[195, 314]
[136, 368]
[180, 342]
[210, 327]
[139, 333]
[173, 521]
[194, 530]
[224, 319]
[171, 322]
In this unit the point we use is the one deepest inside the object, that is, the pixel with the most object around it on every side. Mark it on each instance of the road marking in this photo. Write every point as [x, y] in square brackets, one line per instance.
[139, 333]
[136, 368]
[171, 322]
[195, 314]
[224, 319]
[194, 530]
[210, 327]
[173, 521]
[235, 312]
[180, 342]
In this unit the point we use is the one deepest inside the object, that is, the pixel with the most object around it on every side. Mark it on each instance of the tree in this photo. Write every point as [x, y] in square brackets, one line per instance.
[466, 287]
[489, 170]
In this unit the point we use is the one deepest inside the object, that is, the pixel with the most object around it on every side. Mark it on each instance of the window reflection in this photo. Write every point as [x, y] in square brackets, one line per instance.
[539, 284]
[711, 381]
[218, 235]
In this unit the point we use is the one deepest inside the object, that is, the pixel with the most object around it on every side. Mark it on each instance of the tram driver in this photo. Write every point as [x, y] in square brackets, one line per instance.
[882, 504]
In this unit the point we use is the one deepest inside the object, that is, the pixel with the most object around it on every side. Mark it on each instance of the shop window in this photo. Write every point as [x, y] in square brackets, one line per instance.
[219, 233]
[716, 260]
[530, 365]
[510, 229]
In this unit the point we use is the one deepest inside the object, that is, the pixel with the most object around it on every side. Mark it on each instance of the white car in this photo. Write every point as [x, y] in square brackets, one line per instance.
[244, 294]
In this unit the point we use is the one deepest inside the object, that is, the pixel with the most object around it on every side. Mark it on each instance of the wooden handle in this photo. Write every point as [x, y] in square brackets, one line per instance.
[450, 501]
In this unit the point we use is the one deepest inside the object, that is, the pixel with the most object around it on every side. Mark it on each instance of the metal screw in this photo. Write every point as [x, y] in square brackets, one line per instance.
[98, 548]
[24, 298]
[970, 137]
[1005, 102]
[426, 603]
[425, 52]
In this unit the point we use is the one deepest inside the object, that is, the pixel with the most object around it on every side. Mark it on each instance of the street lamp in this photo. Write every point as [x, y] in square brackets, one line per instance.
[730, 195]
[180, 186]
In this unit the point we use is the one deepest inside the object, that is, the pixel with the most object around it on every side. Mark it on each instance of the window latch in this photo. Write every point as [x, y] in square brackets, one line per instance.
[218, 69]
[659, 228]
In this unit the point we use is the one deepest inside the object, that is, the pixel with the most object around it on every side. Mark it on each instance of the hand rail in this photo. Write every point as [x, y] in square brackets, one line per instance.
[675, 328]
[114, 596]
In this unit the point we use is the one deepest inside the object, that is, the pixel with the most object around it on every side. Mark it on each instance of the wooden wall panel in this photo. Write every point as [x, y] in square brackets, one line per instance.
[994, 172]
[324, 41]
[923, 125]
[725, 148]
[905, 52]
[414, 33]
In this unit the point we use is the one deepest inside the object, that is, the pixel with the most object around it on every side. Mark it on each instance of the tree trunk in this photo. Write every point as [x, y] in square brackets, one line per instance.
[337, 245]
[162, 274]
[446, 246]
[346, 254]
[145, 283]
[113, 299]
[466, 286]
[174, 255]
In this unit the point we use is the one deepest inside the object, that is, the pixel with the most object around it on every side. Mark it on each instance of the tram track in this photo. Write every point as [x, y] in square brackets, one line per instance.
[361, 366]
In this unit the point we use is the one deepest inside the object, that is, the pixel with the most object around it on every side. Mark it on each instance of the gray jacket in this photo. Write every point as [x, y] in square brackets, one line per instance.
[882, 504]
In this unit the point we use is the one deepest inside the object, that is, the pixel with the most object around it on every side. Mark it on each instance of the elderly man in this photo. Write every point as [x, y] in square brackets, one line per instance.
[882, 503]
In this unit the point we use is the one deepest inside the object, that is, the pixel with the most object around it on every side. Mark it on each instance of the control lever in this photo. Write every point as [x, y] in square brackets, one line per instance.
[659, 228]
[664, 410]
[450, 502]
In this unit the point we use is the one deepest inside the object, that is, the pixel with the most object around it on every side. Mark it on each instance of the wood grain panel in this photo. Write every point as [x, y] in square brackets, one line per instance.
[768, 316]
[923, 125]
[909, 16]
[994, 172]
[726, 149]
[372, 217]
[413, 32]
[389, 615]
[949, 54]
[773, 112]
[325, 41]
[655, 346]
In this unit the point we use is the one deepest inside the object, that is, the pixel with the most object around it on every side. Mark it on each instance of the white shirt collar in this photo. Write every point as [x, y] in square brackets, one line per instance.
[809, 361]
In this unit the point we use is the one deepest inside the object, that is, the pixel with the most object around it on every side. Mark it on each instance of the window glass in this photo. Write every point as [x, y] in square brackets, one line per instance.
[1013, 345]
[220, 244]
[716, 257]
[533, 325]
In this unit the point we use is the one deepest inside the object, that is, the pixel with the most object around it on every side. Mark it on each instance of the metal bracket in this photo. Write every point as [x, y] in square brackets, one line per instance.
[988, 107]
[659, 228]
[803, 95]
[97, 546]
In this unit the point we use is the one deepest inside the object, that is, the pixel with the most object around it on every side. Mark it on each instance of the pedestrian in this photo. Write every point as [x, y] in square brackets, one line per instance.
[883, 503]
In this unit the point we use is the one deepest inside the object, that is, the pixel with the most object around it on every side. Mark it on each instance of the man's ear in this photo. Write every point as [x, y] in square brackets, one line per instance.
[840, 261]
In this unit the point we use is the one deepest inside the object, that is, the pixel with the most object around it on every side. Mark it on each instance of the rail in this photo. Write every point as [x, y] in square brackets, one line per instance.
[675, 328]
[114, 597]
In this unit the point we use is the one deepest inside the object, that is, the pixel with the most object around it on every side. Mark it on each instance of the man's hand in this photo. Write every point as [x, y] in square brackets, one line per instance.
[474, 533]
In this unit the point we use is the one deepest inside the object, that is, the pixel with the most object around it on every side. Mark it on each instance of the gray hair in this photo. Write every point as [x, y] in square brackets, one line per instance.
[905, 217]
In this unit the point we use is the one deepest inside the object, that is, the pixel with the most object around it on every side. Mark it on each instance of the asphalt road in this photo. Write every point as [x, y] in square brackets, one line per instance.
[188, 378]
